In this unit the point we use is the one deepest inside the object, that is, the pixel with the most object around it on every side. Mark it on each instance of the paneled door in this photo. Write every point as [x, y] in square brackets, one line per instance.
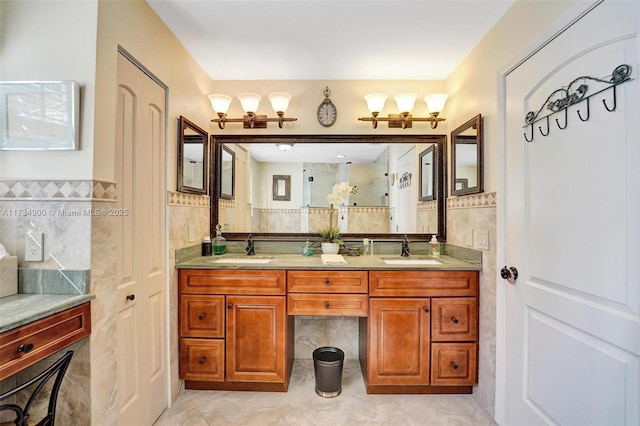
[140, 273]
[572, 230]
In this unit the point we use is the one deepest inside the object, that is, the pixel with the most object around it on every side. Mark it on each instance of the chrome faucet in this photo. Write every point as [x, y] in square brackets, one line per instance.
[250, 246]
[405, 247]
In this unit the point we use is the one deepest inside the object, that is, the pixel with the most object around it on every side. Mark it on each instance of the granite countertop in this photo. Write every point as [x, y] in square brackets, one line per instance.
[21, 309]
[297, 261]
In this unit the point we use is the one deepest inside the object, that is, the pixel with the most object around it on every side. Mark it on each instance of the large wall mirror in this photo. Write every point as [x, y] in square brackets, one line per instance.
[466, 158]
[193, 158]
[227, 173]
[386, 205]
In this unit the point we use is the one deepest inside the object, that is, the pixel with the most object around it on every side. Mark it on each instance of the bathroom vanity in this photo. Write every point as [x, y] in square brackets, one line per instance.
[418, 326]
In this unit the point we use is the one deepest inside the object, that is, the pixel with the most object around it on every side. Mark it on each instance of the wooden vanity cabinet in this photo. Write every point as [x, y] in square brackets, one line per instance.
[328, 292]
[234, 330]
[422, 332]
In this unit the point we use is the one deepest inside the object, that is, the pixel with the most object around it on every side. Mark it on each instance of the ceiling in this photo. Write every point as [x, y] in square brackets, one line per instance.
[329, 39]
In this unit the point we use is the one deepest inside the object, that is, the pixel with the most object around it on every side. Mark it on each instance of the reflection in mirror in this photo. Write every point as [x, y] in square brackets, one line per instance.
[427, 174]
[466, 158]
[193, 155]
[227, 175]
[380, 208]
[281, 188]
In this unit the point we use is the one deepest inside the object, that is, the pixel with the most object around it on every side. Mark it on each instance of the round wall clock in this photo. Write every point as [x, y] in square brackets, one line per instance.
[327, 112]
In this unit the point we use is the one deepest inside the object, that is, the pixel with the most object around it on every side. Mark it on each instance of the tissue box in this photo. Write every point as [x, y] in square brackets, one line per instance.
[8, 276]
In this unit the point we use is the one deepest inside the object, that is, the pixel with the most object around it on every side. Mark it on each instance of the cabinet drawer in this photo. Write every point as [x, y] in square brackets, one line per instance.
[454, 364]
[31, 343]
[454, 319]
[327, 281]
[350, 305]
[202, 359]
[207, 281]
[423, 283]
[201, 315]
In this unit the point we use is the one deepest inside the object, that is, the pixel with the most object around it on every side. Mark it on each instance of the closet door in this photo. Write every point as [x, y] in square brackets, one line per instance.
[140, 276]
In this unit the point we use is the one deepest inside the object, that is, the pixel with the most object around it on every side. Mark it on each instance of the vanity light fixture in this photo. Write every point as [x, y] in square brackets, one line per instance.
[250, 102]
[405, 103]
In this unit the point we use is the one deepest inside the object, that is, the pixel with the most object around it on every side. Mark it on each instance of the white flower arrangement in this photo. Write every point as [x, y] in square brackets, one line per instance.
[340, 192]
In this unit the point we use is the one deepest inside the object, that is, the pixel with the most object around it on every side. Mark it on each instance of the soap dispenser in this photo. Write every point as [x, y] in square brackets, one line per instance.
[435, 246]
[219, 242]
[307, 250]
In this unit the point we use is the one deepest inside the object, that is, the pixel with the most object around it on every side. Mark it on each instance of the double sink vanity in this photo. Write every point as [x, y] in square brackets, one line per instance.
[418, 319]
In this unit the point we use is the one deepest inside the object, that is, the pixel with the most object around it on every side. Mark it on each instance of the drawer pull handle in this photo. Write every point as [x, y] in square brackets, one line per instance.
[202, 360]
[327, 282]
[131, 297]
[426, 310]
[454, 365]
[455, 320]
[25, 348]
[230, 306]
[201, 316]
[327, 305]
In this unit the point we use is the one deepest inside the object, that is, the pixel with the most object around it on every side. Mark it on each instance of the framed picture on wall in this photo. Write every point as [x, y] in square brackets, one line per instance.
[39, 115]
[281, 187]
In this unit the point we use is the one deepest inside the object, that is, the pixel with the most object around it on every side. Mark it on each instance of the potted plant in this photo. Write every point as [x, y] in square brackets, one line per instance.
[331, 240]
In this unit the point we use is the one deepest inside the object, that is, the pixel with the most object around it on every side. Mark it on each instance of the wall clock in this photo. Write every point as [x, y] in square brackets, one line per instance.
[327, 112]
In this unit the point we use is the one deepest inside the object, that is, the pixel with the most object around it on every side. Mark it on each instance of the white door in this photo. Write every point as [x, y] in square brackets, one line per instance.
[572, 231]
[406, 184]
[140, 158]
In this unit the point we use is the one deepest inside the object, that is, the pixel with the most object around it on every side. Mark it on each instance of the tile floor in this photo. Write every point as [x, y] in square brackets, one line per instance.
[301, 406]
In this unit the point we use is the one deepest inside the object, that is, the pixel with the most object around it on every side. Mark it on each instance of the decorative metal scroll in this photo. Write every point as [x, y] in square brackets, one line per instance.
[405, 180]
[559, 100]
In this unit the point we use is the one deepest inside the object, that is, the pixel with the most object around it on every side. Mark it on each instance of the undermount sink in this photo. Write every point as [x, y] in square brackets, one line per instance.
[244, 260]
[410, 261]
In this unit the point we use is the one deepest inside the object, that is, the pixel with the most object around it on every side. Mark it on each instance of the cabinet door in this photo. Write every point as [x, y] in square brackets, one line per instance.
[256, 338]
[399, 336]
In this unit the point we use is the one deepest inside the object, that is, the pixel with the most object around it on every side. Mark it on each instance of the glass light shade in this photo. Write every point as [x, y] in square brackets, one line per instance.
[280, 101]
[285, 146]
[375, 101]
[220, 103]
[436, 102]
[405, 101]
[249, 101]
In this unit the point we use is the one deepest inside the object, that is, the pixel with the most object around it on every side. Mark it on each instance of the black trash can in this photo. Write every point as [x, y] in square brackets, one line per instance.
[327, 365]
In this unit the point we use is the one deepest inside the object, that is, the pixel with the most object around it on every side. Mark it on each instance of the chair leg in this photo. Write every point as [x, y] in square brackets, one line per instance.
[57, 369]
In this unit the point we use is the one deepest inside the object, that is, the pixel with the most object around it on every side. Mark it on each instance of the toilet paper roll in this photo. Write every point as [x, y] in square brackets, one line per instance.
[8, 276]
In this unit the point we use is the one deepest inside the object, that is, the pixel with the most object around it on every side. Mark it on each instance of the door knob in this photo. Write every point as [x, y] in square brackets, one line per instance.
[131, 297]
[510, 274]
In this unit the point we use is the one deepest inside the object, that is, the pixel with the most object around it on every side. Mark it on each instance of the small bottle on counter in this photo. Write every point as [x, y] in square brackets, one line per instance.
[219, 242]
[434, 245]
[307, 250]
[206, 246]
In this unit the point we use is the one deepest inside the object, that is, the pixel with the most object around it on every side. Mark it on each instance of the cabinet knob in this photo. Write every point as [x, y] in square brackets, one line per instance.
[202, 360]
[201, 316]
[454, 365]
[230, 306]
[426, 310]
[25, 348]
[327, 305]
[327, 282]
[455, 320]
[131, 296]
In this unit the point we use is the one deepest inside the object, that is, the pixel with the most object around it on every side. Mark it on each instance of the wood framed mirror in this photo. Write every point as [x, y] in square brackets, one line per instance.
[428, 175]
[227, 174]
[467, 158]
[193, 158]
[381, 209]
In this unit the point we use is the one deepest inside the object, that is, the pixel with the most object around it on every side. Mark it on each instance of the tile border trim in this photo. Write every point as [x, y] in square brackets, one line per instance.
[485, 199]
[175, 198]
[57, 190]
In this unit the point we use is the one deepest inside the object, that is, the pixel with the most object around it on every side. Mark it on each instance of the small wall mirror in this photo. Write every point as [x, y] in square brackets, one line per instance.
[466, 158]
[281, 188]
[227, 174]
[193, 158]
[427, 173]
